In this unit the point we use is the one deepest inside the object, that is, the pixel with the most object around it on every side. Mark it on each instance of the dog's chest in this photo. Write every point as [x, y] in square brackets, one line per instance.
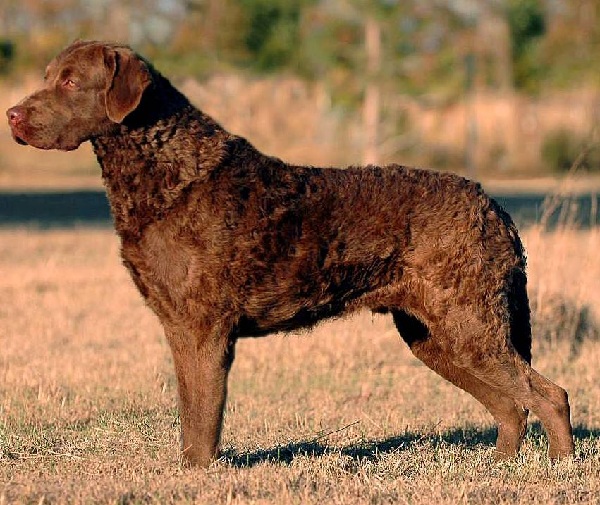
[164, 269]
[167, 261]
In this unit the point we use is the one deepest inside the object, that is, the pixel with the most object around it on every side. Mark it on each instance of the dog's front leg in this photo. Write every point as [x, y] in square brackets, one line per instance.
[202, 361]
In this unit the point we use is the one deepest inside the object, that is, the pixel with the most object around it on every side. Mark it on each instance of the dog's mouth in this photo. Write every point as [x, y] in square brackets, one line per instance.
[28, 140]
[18, 136]
[20, 140]
[26, 134]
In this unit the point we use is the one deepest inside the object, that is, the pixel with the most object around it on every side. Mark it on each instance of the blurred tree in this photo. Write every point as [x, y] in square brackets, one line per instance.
[572, 43]
[272, 33]
[7, 54]
[527, 26]
[422, 42]
[39, 29]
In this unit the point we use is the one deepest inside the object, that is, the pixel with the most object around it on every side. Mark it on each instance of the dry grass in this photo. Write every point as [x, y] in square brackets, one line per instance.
[342, 415]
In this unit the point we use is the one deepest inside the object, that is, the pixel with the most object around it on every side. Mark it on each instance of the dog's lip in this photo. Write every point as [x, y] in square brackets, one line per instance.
[20, 140]
[18, 136]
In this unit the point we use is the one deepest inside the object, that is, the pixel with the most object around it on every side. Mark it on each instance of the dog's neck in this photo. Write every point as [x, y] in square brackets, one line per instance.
[144, 169]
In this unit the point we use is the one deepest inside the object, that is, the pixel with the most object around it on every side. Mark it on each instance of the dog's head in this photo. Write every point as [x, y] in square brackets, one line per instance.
[90, 87]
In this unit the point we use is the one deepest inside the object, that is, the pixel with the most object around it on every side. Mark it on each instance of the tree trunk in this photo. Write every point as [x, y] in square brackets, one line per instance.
[372, 99]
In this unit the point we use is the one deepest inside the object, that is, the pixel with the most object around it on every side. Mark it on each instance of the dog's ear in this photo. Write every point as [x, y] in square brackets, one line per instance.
[127, 78]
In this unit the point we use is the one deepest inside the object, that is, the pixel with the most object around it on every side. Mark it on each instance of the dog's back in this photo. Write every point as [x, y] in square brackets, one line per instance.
[306, 242]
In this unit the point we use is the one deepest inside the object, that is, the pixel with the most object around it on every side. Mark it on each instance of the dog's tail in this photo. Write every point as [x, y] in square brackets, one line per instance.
[517, 300]
[519, 313]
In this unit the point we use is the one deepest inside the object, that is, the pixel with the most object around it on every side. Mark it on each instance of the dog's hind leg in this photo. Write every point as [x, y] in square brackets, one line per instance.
[510, 417]
[503, 382]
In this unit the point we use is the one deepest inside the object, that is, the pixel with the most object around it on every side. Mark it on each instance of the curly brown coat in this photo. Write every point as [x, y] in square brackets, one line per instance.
[224, 242]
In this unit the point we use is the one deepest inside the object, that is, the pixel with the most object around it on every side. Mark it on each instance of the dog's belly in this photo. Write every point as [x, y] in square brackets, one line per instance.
[293, 295]
[302, 318]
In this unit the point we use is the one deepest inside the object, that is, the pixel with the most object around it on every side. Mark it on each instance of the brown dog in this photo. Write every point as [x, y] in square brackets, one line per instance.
[224, 242]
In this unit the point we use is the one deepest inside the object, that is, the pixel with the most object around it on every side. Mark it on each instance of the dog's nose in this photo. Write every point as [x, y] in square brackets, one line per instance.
[15, 115]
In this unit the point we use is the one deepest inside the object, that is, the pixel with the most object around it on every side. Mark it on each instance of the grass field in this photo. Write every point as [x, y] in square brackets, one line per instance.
[341, 415]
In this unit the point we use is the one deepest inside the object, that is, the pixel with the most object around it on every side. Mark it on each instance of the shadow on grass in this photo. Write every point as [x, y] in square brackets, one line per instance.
[366, 450]
[370, 450]
[582, 432]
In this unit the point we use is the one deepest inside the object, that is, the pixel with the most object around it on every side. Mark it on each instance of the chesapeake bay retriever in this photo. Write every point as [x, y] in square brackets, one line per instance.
[225, 242]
